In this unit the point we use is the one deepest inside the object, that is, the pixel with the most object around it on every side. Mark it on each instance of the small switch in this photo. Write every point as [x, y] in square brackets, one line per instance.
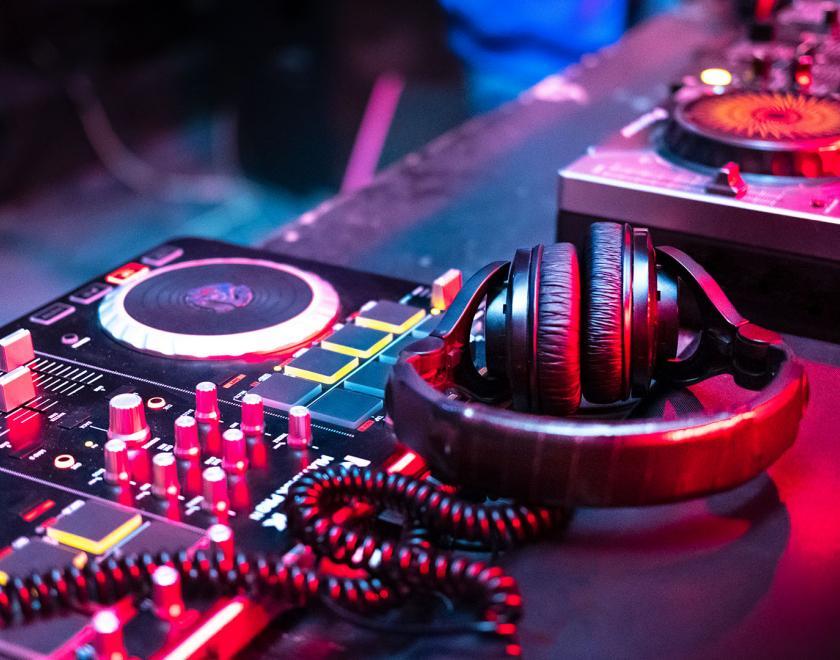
[322, 366]
[357, 340]
[16, 388]
[52, 313]
[16, 350]
[345, 408]
[389, 316]
[162, 255]
[90, 293]
[281, 392]
[728, 182]
[446, 287]
[370, 379]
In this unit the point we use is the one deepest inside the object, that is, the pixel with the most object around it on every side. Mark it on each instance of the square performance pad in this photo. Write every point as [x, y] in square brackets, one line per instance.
[94, 527]
[370, 379]
[345, 408]
[388, 316]
[38, 556]
[322, 366]
[357, 341]
[281, 392]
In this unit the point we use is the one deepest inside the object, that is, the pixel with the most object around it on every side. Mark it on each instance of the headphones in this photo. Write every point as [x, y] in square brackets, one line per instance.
[556, 334]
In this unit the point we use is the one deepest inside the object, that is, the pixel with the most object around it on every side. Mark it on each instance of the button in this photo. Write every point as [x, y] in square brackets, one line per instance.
[357, 340]
[446, 287]
[90, 293]
[52, 313]
[388, 316]
[370, 379]
[322, 366]
[94, 527]
[392, 353]
[16, 350]
[345, 408]
[16, 388]
[38, 556]
[162, 255]
[428, 325]
[281, 392]
[125, 273]
[127, 419]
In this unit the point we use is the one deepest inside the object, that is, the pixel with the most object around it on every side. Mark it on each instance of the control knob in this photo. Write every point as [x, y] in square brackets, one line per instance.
[127, 419]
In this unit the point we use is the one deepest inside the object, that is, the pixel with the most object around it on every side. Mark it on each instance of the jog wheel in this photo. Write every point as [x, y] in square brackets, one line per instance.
[220, 308]
[775, 133]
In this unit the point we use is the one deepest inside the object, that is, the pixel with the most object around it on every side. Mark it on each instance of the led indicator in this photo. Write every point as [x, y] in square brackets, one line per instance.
[715, 77]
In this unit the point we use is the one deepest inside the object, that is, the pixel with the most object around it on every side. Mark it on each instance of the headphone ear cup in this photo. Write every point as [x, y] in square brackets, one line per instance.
[605, 367]
[558, 331]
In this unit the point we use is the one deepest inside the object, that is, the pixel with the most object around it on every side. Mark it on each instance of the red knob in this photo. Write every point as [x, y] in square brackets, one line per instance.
[300, 427]
[166, 593]
[206, 402]
[116, 461]
[186, 439]
[215, 491]
[234, 452]
[165, 476]
[253, 417]
[127, 419]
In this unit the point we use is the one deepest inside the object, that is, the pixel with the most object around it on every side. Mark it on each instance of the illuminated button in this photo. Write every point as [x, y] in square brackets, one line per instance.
[370, 379]
[90, 293]
[64, 461]
[162, 255]
[345, 408]
[388, 316]
[446, 287]
[282, 392]
[94, 527]
[16, 388]
[38, 556]
[156, 403]
[16, 350]
[125, 273]
[322, 366]
[391, 354]
[357, 340]
[52, 313]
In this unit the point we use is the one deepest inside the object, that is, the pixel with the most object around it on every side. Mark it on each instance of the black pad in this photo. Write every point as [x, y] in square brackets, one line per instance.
[558, 331]
[603, 371]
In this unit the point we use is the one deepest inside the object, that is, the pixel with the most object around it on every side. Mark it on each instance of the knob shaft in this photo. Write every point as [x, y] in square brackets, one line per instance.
[116, 461]
[253, 415]
[215, 490]
[234, 452]
[206, 402]
[300, 427]
[166, 593]
[127, 419]
[187, 447]
[165, 476]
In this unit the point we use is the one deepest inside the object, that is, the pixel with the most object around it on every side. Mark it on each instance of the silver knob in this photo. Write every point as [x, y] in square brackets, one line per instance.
[127, 419]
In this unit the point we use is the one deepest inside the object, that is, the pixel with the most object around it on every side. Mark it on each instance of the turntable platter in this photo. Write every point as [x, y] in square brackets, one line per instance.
[220, 308]
[774, 133]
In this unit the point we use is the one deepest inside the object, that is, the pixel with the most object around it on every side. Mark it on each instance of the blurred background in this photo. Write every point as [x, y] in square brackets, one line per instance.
[126, 122]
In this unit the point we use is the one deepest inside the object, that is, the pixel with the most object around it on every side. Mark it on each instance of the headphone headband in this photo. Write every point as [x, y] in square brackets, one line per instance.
[592, 462]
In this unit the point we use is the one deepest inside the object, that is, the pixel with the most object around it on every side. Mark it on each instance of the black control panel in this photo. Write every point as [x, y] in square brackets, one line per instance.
[185, 391]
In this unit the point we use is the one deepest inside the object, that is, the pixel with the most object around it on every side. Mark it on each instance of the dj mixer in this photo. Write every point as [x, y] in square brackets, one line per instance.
[170, 404]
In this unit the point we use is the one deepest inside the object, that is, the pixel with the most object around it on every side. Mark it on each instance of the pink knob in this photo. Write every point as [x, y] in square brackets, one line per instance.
[215, 490]
[165, 476]
[127, 419]
[300, 427]
[186, 439]
[221, 543]
[116, 461]
[253, 418]
[234, 452]
[206, 402]
[166, 593]
[108, 640]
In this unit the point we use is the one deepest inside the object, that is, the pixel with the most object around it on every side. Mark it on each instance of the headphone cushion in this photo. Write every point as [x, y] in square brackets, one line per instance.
[602, 371]
[558, 331]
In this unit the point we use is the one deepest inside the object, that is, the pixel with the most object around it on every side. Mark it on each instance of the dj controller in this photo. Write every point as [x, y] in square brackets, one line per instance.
[739, 166]
[170, 404]
[163, 413]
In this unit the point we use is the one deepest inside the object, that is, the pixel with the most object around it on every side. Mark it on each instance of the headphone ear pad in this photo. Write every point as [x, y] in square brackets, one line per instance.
[558, 331]
[603, 371]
